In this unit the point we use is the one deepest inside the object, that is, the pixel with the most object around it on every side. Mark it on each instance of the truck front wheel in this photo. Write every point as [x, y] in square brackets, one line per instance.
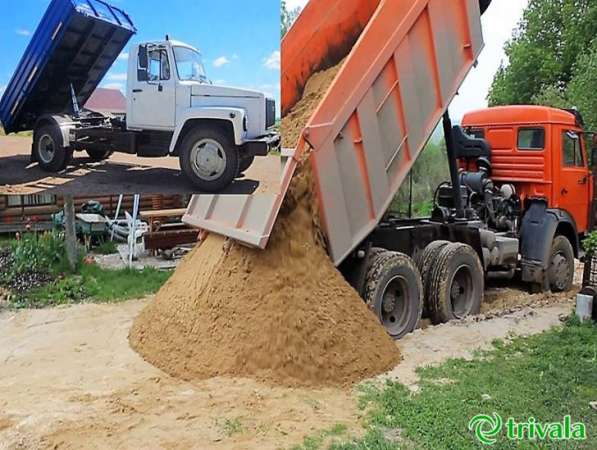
[209, 159]
[393, 292]
[457, 284]
[49, 150]
[561, 265]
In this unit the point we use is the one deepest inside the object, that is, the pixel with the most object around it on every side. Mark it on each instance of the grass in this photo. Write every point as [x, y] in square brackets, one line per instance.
[45, 254]
[94, 284]
[230, 427]
[546, 376]
[315, 442]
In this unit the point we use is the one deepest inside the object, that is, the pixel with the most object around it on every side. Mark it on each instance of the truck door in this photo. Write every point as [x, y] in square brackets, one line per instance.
[154, 100]
[573, 189]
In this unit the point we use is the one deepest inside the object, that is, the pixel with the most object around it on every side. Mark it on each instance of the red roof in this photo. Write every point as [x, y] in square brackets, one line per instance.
[107, 101]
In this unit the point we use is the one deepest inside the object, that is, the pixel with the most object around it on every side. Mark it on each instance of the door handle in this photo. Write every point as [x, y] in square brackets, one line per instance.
[564, 191]
[136, 91]
[582, 180]
[160, 88]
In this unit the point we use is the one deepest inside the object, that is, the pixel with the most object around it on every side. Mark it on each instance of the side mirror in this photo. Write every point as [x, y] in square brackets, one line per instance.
[143, 64]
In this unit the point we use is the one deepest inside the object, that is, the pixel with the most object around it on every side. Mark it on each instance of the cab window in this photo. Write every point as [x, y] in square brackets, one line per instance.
[159, 66]
[531, 139]
[572, 155]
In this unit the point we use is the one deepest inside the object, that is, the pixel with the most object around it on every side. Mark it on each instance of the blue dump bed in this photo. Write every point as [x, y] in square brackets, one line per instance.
[76, 42]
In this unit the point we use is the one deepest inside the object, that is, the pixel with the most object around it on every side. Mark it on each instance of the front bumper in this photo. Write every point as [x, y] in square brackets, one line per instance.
[261, 146]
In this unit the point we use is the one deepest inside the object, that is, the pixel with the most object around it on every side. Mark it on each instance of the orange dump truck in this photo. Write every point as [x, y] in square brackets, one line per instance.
[403, 63]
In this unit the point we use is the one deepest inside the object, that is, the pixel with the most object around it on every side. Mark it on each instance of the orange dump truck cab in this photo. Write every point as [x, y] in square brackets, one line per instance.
[535, 158]
[542, 152]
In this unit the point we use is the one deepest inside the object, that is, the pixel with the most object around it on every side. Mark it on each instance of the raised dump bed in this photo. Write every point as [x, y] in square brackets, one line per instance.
[76, 42]
[405, 61]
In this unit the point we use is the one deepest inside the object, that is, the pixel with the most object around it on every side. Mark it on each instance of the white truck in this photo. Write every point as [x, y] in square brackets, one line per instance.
[172, 107]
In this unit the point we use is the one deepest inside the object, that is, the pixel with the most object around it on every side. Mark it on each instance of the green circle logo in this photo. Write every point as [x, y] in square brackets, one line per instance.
[486, 427]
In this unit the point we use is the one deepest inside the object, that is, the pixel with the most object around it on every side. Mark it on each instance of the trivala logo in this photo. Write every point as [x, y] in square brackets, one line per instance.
[488, 428]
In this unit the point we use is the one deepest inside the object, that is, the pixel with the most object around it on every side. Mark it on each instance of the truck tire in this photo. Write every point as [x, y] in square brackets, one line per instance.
[99, 155]
[245, 163]
[457, 284]
[425, 265]
[393, 291]
[209, 159]
[560, 273]
[49, 150]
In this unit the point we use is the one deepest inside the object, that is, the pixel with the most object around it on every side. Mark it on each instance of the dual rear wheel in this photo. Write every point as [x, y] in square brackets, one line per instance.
[449, 282]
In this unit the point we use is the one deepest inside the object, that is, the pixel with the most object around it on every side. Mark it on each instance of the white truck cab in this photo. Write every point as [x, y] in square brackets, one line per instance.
[172, 109]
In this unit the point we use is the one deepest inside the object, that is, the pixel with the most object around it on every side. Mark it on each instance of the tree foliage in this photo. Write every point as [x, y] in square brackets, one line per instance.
[430, 170]
[552, 58]
[288, 17]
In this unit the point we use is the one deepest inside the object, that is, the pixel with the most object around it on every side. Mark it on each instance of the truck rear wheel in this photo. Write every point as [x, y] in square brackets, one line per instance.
[457, 284]
[560, 273]
[393, 291]
[99, 155]
[49, 150]
[425, 264]
[209, 160]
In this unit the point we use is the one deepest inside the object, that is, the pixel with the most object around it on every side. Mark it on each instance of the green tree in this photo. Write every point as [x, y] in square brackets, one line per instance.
[550, 57]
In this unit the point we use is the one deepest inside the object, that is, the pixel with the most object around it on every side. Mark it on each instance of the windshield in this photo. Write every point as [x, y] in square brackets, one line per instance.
[189, 65]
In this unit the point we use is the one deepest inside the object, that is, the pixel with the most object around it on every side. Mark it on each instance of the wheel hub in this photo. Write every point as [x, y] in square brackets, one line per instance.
[46, 148]
[461, 292]
[394, 305]
[559, 267]
[208, 159]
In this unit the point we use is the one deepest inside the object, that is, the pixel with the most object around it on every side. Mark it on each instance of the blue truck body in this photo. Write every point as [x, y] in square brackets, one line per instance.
[76, 43]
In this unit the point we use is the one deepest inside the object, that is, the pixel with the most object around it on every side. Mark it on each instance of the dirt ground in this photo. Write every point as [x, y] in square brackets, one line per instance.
[68, 379]
[122, 173]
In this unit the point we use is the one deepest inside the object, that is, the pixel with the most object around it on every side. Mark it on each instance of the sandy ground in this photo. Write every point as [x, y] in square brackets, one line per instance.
[68, 379]
[122, 173]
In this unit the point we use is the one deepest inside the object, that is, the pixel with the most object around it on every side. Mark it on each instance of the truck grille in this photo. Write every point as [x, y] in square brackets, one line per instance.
[270, 112]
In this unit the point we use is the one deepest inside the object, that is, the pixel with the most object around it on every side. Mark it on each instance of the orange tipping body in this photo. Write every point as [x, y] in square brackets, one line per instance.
[397, 81]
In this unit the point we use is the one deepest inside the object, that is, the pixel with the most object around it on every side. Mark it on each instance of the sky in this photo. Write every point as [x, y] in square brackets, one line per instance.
[498, 23]
[240, 40]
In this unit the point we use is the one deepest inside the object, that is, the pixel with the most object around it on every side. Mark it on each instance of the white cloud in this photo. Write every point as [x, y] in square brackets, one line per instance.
[117, 76]
[220, 82]
[23, 32]
[291, 4]
[270, 90]
[118, 86]
[221, 61]
[498, 22]
[273, 61]
[2, 89]
[123, 56]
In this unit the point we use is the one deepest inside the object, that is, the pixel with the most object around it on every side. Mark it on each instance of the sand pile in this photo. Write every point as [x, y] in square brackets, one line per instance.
[285, 314]
[293, 123]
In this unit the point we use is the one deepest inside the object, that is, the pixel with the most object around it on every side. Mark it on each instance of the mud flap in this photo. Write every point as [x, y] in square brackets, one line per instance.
[538, 229]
